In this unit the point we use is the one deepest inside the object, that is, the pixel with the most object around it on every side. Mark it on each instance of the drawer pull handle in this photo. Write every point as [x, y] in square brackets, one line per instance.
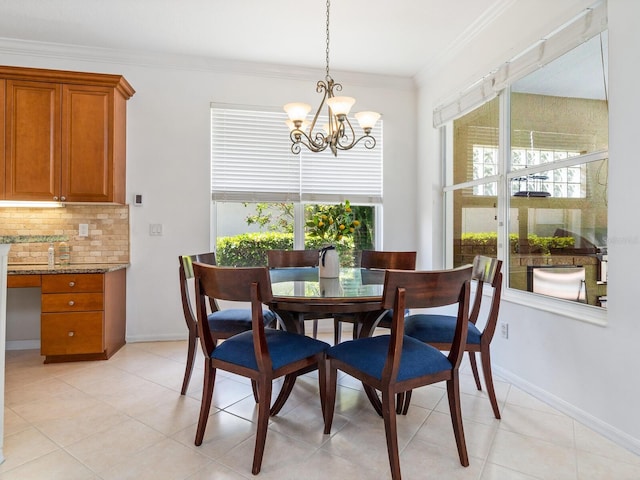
[71, 303]
[71, 334]
[72, 284]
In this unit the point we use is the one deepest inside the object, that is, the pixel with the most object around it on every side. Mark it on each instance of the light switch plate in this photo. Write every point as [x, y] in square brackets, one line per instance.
[83, 230]
[155, 229]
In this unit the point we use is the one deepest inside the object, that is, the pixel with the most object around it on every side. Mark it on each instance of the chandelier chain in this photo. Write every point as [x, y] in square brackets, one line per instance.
[328, 4]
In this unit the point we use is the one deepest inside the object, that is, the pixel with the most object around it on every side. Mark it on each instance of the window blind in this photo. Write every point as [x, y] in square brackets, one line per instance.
[581, 28]
[251, 160]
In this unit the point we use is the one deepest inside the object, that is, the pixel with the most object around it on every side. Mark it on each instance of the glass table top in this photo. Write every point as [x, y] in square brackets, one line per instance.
[305, 282]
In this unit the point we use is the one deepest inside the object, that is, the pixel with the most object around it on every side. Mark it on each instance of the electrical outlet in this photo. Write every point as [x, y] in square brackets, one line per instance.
[83, 230]
[504, 330]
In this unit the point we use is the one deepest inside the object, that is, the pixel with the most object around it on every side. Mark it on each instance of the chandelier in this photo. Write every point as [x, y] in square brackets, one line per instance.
[338, 133]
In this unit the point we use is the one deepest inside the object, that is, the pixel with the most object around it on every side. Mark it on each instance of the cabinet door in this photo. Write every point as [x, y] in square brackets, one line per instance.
[32, 149]
[87, 143]
[2, 133]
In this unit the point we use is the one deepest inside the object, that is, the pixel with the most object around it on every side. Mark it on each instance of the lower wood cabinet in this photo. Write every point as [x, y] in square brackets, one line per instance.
[83, 315]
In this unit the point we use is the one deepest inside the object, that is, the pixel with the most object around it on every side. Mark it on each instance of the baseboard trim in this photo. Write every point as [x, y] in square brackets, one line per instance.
[23, 345]
[609, 431]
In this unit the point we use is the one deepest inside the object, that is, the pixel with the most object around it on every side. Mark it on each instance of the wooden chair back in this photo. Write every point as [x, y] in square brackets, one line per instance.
[426, 289]
[292, 258]
[236, 284]
[487, 270]
[387, 259]
[185, 272]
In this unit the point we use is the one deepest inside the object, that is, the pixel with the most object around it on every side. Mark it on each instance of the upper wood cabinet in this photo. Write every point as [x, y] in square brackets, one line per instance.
[65, 135]
[2, 88]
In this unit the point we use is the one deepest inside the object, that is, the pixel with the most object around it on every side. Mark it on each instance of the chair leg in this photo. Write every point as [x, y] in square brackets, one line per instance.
[254, 389]
[453, 392]
[330, 393]
[407, 401]
[399, 402]
[485, 356]
[474, 369]
[322, 383]
[285, 391]
[391, 432]
[337, 331]
[191, 356]
[264, 388]
[315, 329]
[205, 404]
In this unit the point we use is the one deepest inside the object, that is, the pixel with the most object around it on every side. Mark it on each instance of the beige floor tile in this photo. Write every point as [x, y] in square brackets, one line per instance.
[280, 454]
[23, 447]
[589, 441]
[223, 433]
[438, 430]
[523, 399]
[553, 428]
[115, 445]
[596, 467]
[166, 460]
[497, 472]
[420, 459]
[57, 465]
[125, 418]
[532, 456]
[322, 466]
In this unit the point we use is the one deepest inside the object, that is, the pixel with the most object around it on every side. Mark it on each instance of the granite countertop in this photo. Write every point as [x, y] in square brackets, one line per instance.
[43, 269]
[32, 238]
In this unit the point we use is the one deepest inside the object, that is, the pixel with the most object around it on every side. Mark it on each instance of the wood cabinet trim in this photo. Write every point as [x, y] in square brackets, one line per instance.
[117, 82]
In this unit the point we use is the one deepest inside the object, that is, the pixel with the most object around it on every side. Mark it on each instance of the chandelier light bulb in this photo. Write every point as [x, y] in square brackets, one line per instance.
[367, 120]
[297, 111]
[340, 105]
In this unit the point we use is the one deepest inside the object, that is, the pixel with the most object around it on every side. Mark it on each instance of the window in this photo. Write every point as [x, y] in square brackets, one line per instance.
[527, 179]
[262, 192]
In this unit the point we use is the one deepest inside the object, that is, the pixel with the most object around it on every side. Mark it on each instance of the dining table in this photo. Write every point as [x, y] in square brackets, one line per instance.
[356, 291]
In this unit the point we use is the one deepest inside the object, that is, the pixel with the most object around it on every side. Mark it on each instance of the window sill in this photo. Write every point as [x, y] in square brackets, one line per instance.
[576, 311]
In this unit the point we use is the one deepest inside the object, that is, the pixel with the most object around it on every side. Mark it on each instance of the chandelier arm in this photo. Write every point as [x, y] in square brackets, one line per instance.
[298, 137]
[343, 135]
[369, 142]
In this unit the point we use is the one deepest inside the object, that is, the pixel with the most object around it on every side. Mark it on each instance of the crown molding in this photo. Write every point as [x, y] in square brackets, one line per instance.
[10, 46]
[463, 40]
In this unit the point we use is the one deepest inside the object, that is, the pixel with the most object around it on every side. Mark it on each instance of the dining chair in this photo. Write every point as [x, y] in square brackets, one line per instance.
[261, 354]
[222, 323]
[378, 260]
[300, 259]
[396, 363]
[438, 330]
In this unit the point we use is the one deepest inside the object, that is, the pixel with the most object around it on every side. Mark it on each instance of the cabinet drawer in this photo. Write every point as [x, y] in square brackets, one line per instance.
[71, 333]
[22, 281]
[72, 302]
[73, 282]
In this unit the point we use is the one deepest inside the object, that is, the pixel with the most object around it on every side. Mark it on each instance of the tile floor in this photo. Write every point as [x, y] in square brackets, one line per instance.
[125, 419]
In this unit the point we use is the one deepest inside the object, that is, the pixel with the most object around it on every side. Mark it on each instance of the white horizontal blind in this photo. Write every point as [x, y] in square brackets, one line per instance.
[580, 29]
[251, 160]
[354, 175]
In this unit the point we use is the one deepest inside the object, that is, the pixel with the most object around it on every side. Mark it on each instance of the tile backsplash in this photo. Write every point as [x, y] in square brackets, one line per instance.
[108, 240]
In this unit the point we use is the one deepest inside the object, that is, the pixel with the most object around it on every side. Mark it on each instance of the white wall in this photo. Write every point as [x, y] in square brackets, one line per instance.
[585, 370]
[168, 157]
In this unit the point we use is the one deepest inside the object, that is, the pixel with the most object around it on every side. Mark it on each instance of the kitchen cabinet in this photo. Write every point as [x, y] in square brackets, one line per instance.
[65, 135]
[2, 88]
[83, 315]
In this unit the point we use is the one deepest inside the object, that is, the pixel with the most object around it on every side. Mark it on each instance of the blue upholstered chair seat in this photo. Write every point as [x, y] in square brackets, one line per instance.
[370, 354]
[235, 319]
[431, 328]
[284, 348]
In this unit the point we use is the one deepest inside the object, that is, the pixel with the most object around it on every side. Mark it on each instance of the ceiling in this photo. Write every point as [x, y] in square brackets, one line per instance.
[399, 37]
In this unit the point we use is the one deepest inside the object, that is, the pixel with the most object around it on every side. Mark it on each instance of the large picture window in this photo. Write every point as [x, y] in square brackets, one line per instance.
[263, 194]
[527, 180]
